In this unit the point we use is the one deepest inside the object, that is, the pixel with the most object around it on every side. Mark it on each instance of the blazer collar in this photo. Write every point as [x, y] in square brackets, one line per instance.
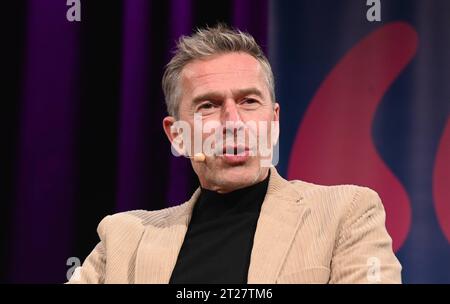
[279, 219]
[281, 215]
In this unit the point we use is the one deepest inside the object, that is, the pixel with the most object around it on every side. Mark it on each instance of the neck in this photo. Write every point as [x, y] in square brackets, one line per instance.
[222, 189]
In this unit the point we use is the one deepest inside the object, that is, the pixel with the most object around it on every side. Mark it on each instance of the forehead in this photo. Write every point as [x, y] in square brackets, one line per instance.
[222, 72]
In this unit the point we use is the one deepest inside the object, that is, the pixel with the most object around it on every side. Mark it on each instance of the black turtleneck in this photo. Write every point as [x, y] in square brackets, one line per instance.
[219, 239]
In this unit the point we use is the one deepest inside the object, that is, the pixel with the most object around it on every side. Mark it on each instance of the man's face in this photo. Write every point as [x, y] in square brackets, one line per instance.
[229, 91]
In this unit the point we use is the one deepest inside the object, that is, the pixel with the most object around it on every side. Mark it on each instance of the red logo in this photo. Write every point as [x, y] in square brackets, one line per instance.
[334, 143]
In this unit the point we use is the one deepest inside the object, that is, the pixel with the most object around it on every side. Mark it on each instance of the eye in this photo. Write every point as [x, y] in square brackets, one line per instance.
[249, 101]
[206, 105]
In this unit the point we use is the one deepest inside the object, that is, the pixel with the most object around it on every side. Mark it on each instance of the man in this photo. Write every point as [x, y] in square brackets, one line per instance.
[245, 223]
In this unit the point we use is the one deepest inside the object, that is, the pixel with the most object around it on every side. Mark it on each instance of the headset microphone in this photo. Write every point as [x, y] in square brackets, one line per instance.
[198, 157]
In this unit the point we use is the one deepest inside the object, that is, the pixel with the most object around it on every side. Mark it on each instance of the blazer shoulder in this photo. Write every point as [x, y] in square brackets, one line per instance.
[137, 218]
[346, 195]
[309, 186]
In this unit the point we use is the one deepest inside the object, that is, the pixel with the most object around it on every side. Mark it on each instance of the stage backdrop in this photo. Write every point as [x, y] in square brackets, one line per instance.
[362, 102]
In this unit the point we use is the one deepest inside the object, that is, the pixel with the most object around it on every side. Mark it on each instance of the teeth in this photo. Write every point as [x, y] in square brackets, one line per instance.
[234, 151]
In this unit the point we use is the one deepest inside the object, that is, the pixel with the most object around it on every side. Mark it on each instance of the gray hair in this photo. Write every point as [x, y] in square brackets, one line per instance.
[204, 43]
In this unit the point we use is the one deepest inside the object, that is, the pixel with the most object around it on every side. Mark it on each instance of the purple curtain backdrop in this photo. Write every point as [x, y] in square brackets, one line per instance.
[46, 166]
[66, 67]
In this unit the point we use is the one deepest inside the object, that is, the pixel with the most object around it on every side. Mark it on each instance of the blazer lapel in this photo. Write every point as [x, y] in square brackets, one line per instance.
[281, 215]
[161, 243]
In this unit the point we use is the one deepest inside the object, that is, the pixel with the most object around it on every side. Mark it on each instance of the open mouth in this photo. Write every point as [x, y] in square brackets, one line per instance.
[235, 155]
[235, 150]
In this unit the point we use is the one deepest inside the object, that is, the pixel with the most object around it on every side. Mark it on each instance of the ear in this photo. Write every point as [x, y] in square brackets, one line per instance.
[276, 111]
[172, 133]
[168, 122]
[276, 118]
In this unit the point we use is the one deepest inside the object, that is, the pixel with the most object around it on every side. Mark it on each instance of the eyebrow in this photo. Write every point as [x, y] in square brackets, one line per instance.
[219, 95]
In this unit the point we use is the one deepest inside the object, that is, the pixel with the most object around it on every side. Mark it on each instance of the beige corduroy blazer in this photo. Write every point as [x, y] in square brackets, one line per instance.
[305, 233]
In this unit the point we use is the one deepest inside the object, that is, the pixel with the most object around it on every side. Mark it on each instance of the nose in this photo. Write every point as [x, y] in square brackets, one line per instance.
[231, 119]
[230, 111]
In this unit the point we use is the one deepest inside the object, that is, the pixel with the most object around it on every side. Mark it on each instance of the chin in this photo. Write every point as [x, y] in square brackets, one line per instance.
[239, 176]
[229, 178]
